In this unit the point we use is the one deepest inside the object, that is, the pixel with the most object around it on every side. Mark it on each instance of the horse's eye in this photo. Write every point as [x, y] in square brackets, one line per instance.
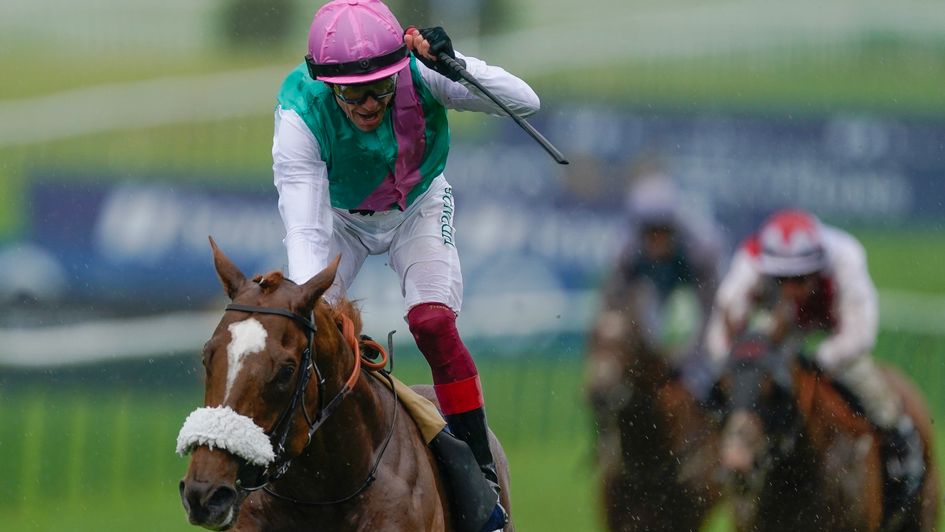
[285, 374]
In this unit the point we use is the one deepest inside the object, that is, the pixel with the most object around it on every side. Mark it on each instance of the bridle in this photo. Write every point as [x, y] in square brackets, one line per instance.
[781, 426]
[279, 433]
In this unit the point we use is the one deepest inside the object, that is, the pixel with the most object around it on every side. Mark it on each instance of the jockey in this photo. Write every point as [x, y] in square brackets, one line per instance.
[361, 139]
[670, 250]
[811, 276]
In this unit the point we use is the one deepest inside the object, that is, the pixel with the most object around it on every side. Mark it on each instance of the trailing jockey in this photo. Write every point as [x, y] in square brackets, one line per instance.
[670, 249]
[813, 277]
[361, 140]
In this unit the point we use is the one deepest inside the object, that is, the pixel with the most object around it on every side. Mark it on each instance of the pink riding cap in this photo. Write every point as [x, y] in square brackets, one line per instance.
[356, 41]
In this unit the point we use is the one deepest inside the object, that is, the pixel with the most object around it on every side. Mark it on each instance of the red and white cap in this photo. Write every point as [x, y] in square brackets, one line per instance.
[791, 244]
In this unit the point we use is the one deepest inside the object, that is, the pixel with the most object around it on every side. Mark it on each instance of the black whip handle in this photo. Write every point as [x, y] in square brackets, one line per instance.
[545, 143]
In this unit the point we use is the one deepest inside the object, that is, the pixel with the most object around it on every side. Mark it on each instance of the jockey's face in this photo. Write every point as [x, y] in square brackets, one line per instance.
[366, 103]
[658, 243]
[798, 288]
[366, 116]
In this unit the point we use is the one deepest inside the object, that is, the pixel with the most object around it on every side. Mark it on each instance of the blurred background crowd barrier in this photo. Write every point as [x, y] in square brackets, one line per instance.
[132, 130]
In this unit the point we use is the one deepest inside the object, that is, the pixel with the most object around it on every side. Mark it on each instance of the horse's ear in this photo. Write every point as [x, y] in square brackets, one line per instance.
[231, 276]
[316, 286]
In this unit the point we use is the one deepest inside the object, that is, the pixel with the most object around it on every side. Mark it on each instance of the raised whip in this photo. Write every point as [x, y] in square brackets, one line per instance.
[545, 143]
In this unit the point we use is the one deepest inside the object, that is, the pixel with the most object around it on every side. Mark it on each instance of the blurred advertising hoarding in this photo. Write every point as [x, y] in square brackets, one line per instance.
[523, 224]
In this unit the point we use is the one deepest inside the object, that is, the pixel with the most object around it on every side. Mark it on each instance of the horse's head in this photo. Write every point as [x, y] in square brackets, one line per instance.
[622, 348]
[761, 421]
[259, 365]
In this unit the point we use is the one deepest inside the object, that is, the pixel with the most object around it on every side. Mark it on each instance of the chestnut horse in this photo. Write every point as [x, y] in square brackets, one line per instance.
[293, 436]
[797, 456]
[656, 446]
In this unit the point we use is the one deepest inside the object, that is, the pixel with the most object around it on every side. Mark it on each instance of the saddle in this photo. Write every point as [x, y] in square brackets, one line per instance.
[471, 497]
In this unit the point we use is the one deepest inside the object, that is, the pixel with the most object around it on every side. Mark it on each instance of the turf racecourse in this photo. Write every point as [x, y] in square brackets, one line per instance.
[92, 449]
[101, 457]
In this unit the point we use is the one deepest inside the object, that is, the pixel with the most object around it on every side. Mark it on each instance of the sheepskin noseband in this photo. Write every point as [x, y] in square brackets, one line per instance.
[221, 427]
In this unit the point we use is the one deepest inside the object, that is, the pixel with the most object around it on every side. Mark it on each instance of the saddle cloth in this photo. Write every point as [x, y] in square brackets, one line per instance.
[424, 413]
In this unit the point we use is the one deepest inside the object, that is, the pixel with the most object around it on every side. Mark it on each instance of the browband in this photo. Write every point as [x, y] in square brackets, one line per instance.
[361, 66]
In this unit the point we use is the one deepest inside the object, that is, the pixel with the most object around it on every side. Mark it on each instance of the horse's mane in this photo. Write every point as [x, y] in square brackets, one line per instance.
[269, 282]
[345, 307]
[809, 363]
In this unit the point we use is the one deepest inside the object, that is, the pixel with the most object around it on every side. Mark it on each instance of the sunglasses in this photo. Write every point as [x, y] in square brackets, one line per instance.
[381, 90]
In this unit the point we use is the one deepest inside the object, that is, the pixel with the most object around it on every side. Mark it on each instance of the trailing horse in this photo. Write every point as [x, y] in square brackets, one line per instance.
[656, 446]
[294, 435]
[798, 456]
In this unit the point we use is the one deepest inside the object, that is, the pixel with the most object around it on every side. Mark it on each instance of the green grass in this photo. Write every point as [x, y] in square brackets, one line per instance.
[87, 460]
[101, 456]
[94, 456]
[41, 72]
[889, 78]
[229, 151]
[893, 79]
[103, 459]
[910, 259]
[883, 81]
[83, 456]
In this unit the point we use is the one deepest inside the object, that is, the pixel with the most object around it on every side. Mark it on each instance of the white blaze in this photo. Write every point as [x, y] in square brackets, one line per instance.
[248, 337]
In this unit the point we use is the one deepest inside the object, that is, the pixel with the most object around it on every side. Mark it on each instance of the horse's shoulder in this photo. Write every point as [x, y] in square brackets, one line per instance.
[820, 396]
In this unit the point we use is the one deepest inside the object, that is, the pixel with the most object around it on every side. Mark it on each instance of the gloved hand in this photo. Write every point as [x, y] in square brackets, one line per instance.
[438, 42]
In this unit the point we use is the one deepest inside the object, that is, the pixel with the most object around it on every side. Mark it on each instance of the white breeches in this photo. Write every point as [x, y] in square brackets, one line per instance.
[863, 377]
[420, 243]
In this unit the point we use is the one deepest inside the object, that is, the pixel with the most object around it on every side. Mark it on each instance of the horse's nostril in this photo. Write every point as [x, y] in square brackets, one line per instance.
[598, 399]
[181, 487]
[222, 498]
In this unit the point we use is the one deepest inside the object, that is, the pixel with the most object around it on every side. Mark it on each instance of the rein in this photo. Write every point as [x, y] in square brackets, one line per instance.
[782, 425]
[802, 409]
[280, 430]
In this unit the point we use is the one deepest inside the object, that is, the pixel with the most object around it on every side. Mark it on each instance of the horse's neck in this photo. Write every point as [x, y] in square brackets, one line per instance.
[819, 413]
[825, 412]
[647, 374]
[794, 476]
[354, 429]
[341, 453]
[828, 470]
[814, 421]
[647, 370]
